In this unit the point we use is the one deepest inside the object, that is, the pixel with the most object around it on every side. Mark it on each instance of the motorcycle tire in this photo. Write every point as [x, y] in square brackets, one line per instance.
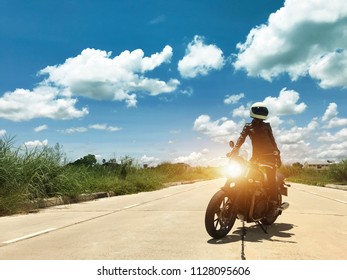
[219, 217]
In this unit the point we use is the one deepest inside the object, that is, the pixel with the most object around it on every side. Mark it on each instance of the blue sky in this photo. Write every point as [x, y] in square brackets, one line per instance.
[173, 80]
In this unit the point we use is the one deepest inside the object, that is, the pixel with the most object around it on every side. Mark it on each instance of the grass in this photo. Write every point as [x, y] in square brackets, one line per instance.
[335, 174]
[30, 175]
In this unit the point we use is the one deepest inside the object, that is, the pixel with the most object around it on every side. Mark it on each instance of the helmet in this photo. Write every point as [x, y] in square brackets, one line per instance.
[259, 111]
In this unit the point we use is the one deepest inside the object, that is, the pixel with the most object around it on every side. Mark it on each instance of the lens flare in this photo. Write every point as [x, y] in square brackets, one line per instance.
[233, 169]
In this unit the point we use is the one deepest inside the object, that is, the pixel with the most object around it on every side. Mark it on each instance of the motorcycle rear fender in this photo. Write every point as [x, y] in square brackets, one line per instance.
[282, 185]
[284, 190]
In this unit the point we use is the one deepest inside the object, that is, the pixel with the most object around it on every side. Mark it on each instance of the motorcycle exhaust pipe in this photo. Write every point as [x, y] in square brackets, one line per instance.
[283, 206]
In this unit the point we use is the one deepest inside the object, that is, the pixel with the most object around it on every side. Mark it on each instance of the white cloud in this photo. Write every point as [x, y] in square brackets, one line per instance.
[158, 20]
[200, 59]
[40, 128]
[104, 127]
[336, 151]
[201, 158]
[297, 134]
[275, 121]
[335, 122]
[330, 69]
[219, 131]
[97, 126]
[95, 74]
[43, 101]
[330, 117]
[301, 38]
[232, 99]
[194, 158]
[328, 137]
[150, 161]
[74, 130]
[241, 111]
[296, 152]
[297, 143]
[330, 112]
[92, 74]
[189, 91]
[2, 132]
[35, 144]
[285, 103]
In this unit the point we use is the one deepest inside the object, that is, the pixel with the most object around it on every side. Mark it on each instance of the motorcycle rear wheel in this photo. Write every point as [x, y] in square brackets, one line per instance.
[219, 217]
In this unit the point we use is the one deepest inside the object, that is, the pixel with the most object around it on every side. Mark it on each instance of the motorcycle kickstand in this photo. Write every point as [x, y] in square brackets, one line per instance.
[264, 228]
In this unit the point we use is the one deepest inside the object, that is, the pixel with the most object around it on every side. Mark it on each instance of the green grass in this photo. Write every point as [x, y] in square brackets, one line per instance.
[28, 176]
[335, 174]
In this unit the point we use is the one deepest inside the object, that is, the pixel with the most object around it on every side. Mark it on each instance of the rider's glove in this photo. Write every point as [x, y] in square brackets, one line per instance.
[234, 152]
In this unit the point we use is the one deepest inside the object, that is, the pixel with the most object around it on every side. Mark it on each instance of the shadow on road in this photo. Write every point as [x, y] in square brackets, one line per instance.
[278, 232]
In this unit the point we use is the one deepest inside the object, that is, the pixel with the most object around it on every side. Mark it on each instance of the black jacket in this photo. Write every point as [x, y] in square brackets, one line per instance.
[263, 141]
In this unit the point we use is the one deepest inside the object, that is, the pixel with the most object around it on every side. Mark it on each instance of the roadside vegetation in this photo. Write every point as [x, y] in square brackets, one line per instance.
[336, 173]
[27, 176]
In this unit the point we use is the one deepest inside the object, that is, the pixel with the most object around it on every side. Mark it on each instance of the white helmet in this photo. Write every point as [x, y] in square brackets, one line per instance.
[259, 111]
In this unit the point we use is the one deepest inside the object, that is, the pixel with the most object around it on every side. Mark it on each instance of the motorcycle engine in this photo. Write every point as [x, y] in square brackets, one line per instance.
[259, 209]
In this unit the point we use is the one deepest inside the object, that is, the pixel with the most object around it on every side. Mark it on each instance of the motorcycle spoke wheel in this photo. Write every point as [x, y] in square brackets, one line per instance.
[222, 216]
[219, 217]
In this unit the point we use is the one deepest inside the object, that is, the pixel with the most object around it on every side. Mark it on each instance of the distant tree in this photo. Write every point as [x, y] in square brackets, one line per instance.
[112, 163]
[297, 165]
[88, 160]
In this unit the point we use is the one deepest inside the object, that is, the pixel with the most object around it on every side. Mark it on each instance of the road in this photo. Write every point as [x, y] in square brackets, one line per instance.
[169, 225]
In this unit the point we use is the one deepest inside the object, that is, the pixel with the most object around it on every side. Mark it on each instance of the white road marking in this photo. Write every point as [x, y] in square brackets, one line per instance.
[338, 200]
[28, 236]
[131, 206]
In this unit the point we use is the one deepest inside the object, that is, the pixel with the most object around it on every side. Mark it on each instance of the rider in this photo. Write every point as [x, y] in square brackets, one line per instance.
[264, 147]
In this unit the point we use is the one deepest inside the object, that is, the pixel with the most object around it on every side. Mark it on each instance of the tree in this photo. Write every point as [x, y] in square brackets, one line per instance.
[297, 165]
[88, 160]
[111, 164]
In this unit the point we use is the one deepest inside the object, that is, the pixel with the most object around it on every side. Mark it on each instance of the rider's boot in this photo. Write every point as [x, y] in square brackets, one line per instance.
[272, 208]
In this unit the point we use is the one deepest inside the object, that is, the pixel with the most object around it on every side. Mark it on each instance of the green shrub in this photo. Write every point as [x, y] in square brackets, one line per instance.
[338, 172]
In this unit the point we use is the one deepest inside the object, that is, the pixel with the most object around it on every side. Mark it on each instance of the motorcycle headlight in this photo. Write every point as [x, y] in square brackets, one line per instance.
[234, 169]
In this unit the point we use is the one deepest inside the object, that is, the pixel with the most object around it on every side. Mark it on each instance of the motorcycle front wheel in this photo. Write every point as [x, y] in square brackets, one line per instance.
[219, 217]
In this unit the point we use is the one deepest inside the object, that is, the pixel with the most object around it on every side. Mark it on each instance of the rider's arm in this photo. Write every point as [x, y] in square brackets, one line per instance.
[272, 139]
[244, 133]
[278, 153]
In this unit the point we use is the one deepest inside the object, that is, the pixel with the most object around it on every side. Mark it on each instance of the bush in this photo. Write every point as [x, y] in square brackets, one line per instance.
[338, 172]
[290, 170]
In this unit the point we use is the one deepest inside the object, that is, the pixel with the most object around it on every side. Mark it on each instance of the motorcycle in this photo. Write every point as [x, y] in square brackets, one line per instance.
[245, 197]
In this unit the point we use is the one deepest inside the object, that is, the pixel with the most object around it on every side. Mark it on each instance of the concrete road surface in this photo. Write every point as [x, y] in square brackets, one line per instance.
[169, 225]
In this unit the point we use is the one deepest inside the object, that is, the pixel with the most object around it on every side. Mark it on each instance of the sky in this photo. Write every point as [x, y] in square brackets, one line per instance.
[173, 81]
